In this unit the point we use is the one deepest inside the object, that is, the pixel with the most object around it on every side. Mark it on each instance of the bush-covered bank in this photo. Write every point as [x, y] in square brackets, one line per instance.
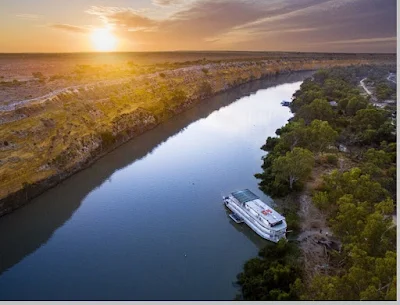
[334, 124]
[274, 275]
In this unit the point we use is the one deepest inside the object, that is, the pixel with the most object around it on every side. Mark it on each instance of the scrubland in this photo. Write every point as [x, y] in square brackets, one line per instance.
[58, 113]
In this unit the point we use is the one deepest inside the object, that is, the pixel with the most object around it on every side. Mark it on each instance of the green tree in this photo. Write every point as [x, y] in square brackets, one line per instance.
[273, 276]
[292, 135]
[350, 218]
[369, 118]
[319, 109]
[295, 166]
[355, 104]
[383, 91]
[378, 157]
[354, 182]
[270, 143]
[321, 76]
[321, 136]
[306, 97]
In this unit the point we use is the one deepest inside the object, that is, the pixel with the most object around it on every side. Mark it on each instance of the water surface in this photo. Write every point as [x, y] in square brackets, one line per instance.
[146, 222]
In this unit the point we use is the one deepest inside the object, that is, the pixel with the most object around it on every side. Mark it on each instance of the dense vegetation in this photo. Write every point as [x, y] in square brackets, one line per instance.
[274, 275]
[359, 201]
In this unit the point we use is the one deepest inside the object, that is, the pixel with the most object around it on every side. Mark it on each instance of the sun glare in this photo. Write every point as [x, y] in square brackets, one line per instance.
[103, 40]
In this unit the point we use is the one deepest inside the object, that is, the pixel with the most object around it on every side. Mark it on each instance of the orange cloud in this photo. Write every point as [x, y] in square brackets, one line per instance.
[28, 16]
[69, 28]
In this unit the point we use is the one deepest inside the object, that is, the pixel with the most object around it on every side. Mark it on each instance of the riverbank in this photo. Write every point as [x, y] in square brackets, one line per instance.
[45, 143]
[335, 164]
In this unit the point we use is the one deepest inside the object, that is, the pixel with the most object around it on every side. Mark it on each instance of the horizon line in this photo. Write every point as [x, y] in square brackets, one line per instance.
[198, 51]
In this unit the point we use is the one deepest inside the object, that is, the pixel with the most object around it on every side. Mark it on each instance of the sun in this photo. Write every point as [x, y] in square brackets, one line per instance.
[103, 40]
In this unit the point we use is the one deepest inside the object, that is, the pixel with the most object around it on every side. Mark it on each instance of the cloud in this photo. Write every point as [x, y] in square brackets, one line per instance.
[325, 24]
[304, 25]
[130, 19]
[167, 2]
[28, 16]
[122, 17]
[69, 28]
[365, 40]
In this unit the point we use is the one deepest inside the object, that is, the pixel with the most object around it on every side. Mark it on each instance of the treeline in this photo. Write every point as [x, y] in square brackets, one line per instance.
[331, 116]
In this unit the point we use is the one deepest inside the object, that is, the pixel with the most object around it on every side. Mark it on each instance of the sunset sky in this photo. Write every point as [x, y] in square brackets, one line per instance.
[159, 25]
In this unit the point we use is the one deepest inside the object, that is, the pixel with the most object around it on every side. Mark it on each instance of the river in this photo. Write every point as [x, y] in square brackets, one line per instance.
[146, 222]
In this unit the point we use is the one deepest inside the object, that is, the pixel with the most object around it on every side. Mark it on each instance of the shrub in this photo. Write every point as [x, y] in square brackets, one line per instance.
[38, 75]
[205, 89]
[56, 77]
[107, 138]
[332, 159]
[321, 200]
[292, 219]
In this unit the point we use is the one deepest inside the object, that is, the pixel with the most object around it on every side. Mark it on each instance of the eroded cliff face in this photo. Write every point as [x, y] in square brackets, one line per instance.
[79, 154]
[47, 141]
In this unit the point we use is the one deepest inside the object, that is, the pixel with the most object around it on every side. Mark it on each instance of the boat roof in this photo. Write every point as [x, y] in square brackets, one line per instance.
[245, 196]
[265, 211]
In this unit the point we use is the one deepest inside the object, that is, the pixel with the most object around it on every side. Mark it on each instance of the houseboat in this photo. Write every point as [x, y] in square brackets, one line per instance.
[285, 103]
[260, 217]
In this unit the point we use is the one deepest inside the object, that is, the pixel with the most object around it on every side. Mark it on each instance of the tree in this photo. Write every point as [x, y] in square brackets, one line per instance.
[272, 276]
[296, 165]
[319, 109]
[370, 118]
[270, 143]
[378, 157]
[372, 126]
[383, 91]
[268, 183]
[354, 104]
[292, 135]
[323, 287]
[378, 234]
[306, 97]
[321, 135]
[353, 182]
[350, 217]
[342, 105]
[335, 88]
